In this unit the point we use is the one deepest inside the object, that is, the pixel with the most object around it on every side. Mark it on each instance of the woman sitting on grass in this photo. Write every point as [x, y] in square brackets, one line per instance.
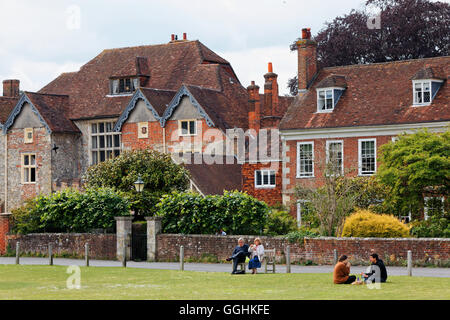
[341, 274]
[257, 253]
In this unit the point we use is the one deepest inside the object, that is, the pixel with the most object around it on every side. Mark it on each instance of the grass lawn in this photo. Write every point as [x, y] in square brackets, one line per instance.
[49, 282]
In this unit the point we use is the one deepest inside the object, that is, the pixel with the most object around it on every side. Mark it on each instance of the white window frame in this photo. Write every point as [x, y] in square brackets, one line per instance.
[360, 141]
[422, 82]
[105, 134]
[299, 211]
[299, 174]
[425, 207]
[180, 130]
[318, 91]
[342, 152]
[268, 173]
[134, 84]
[29, 166]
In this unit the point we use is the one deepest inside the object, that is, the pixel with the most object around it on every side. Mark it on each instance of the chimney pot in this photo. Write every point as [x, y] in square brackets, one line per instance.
[304, 33]
[185, 36]
[270, 68]
[172, 37]
[252, 82]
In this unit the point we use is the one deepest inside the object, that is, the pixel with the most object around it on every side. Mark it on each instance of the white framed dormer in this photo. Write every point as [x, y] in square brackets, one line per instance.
[305, 159]
[430, 206]
[367, 156]
[337, 147]
[424, 91]
[265, 179]
[187, 127]
[327, 98]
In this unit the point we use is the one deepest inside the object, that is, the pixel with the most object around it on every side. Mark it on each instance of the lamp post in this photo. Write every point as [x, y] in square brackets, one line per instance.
[139, 185]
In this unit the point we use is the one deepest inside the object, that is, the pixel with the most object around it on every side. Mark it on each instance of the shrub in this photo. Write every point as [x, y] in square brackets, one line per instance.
[70, 211]
[365, 223]
[301, 233]
[279, 222]
[437, 226]
[191, 213]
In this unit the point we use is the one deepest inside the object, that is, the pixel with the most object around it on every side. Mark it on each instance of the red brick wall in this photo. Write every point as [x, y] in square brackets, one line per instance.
[4, 229]
[317, 250]
[101, 246]
[272, 196]
[130, 136]
[350, 160]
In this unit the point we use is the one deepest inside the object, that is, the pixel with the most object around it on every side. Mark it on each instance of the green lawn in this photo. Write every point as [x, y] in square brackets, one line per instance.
[49, 282]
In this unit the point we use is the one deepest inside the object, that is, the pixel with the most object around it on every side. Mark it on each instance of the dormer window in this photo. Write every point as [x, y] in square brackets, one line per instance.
[123, 85]
[424, 91]
[327, 98]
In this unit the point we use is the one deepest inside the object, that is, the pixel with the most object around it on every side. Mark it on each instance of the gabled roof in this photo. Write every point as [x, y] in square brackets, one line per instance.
[156, 101]
[48, 107]
[7, 104]
[376, 94]
[332, 81]
[429, 73]
[168, 66]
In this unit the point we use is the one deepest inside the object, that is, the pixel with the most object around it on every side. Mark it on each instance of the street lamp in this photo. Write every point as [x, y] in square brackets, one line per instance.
[139, 184]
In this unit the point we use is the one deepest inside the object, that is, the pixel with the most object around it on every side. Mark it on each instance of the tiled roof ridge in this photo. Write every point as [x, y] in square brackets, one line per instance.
[148, 45]
[47, 94]
[362, 65]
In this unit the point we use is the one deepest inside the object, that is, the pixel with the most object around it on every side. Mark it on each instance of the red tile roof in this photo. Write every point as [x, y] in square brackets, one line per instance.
[6, 106]
[376, 94]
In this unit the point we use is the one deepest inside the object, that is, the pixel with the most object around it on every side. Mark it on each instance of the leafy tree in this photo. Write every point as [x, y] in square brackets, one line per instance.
[413, 165]
[160, 174]
[437, 226]
[410, 29]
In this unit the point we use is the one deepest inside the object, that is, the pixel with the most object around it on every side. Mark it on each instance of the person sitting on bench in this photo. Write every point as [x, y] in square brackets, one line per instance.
[257, 253]
[341, 274]
[238, 256]
[377, 270]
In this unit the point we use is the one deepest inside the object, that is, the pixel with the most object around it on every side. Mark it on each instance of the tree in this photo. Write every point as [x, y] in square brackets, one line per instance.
[410, 29]
[158, 171]
[413, 165]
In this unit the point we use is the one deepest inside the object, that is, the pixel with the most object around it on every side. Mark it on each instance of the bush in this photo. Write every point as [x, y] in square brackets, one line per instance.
[191, 213]
[279, 222]
[301, 233]
[70, 211]
[161, 175]
[365, 223]
[437, 226]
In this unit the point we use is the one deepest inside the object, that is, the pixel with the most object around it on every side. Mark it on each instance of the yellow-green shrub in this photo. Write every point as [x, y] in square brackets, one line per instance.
[365, 223]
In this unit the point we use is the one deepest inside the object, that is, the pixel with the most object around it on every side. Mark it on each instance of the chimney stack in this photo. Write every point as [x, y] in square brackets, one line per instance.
[185, 36]
[307, 60]
[254, 114]
[270, 92]
[11, 88]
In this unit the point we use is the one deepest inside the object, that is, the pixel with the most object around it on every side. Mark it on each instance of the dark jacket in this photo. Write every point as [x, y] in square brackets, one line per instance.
[243, 249]
[383, 271]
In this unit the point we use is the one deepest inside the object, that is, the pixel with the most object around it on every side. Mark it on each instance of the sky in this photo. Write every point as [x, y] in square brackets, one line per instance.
[41, 39]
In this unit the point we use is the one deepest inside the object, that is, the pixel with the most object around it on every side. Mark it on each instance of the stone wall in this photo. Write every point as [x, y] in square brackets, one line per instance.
[101, 246]
[316, 250]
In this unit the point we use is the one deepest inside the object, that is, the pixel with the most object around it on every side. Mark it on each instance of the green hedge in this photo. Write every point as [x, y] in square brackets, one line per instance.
[70, 211]
[191, 213]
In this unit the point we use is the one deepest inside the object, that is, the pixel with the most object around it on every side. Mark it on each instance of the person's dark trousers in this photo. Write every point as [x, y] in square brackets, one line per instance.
[238, 258]
[350, 279]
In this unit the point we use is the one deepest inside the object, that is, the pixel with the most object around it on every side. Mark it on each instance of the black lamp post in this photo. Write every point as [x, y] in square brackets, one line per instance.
[139, 185]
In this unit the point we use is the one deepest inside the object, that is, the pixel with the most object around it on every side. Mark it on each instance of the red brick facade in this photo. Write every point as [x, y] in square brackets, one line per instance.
[4, 229]
[270, 195]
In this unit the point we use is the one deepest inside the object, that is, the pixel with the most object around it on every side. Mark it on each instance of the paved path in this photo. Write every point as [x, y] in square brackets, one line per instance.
[217, 267]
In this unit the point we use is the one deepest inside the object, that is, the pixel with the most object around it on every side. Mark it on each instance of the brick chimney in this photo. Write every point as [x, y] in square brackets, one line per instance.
[11, 88]
[307, 60]
[254, 113]
[270, 92]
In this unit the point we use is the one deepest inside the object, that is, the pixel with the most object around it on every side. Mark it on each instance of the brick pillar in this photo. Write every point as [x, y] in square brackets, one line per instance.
[153, 229]
[4, 230]
[123, 232]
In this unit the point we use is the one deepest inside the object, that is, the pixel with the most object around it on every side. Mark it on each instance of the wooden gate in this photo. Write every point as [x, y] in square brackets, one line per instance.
[139, 241]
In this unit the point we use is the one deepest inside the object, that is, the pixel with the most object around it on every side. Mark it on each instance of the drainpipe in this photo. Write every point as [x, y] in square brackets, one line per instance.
[6, 173]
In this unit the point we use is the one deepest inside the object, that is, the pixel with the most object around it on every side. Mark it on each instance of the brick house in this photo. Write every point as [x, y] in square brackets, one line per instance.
[346, 113]
[180, 98]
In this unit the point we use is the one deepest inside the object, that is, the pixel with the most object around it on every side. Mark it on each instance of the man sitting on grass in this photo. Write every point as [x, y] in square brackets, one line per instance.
[341, 274]
[377, 271]
[238, 256]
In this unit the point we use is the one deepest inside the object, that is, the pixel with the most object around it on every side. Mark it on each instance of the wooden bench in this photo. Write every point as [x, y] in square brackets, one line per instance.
[269, 260]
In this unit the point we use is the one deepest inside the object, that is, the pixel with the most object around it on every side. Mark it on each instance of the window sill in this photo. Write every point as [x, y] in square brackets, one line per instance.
[305, 177]
[119, 95]
[365, 174]
[421, 104]
[265, 187]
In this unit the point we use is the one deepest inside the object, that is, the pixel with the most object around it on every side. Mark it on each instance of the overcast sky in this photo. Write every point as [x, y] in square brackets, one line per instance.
[41, 39]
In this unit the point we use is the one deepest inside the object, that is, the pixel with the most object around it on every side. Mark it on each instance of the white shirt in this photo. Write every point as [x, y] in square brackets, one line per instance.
[259, 251]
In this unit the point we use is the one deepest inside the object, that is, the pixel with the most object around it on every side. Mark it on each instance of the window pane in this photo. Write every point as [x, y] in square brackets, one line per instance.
[116, 153]
[26, 160]
[109, 140]
[26, 175]
[33, 159]
[101, 127]
[109, 127]
[94, 157]
[94, 142]
[265, 178]
[184, 127]
[121, 85]
[272, 178]
[102, 141]
[258, 178]
[426, 96]
[109, 155]
[102, 156]
[192, 127]
[33, 175]
[127, 85]
[94, 128]
[117, 141]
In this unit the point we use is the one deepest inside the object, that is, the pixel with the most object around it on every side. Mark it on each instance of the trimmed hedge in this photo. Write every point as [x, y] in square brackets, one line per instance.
[365, 223]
